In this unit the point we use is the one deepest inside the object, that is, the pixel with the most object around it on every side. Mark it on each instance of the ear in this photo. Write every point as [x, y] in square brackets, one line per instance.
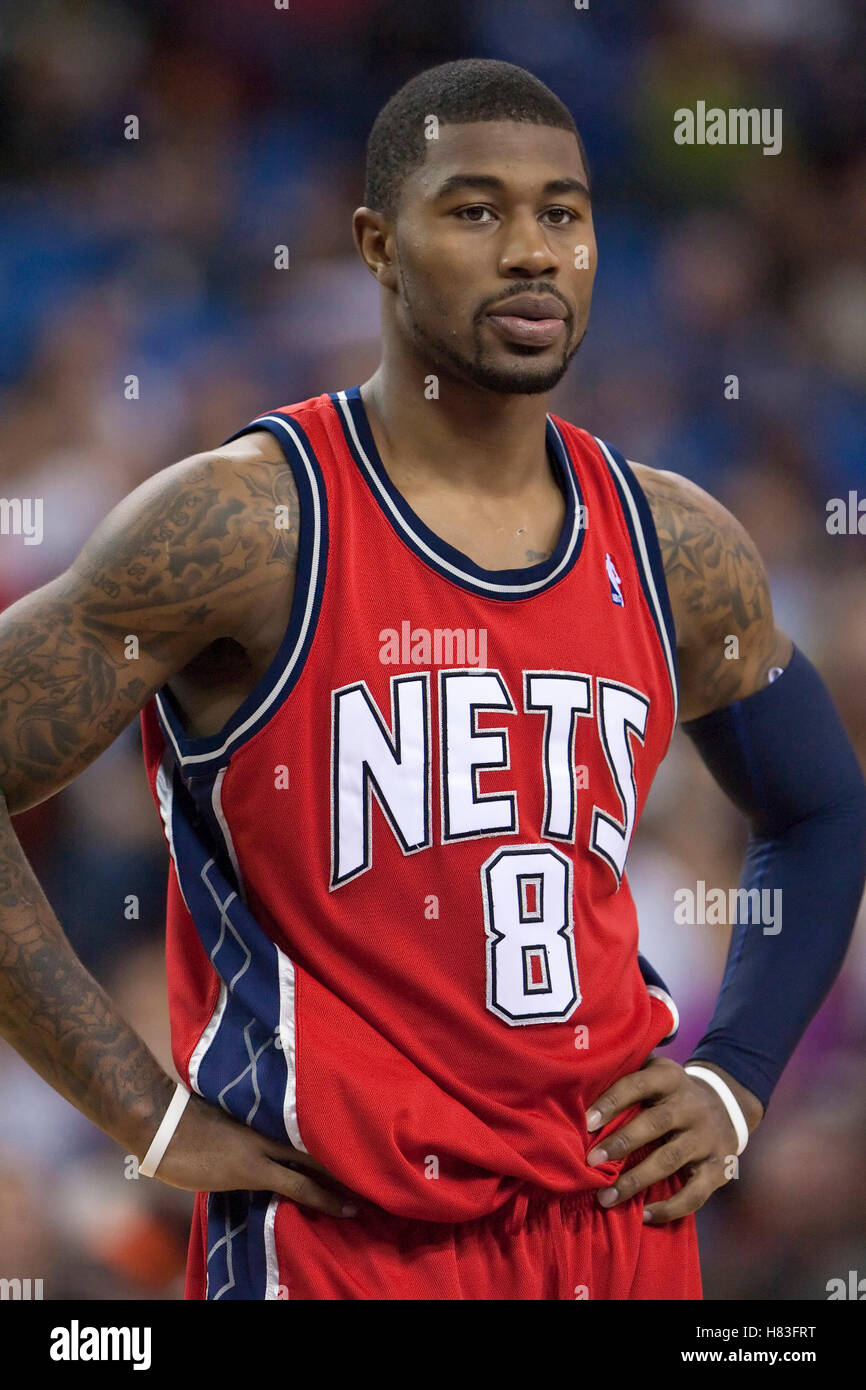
[374, 238]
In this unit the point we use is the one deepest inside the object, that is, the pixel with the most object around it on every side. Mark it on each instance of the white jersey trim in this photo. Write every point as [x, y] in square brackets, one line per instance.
[669, 1004]
[644, 560]
[434, 556]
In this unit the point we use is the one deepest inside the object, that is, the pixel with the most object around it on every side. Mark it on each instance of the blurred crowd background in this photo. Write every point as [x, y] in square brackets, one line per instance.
[155, 257]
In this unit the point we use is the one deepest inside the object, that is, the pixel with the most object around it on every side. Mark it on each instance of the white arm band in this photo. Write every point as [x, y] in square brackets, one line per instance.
[161, 1140]
[728, 1099]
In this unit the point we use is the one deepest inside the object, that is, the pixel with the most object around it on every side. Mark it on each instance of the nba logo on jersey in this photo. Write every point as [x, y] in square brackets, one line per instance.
[615, 582]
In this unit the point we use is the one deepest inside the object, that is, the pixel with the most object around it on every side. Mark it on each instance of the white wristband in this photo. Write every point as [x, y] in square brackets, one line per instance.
[161, 1140]
[728, 1099]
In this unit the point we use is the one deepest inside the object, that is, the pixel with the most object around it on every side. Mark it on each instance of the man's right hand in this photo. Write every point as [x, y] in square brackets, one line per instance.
[211, 1152]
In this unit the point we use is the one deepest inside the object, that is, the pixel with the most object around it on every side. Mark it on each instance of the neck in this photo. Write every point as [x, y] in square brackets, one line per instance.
[469, 438]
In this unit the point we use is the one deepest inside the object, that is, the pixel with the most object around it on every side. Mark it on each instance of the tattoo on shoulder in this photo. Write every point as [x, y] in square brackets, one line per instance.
[184, 545]
[719, 594]
[709, 560]
[168, 571]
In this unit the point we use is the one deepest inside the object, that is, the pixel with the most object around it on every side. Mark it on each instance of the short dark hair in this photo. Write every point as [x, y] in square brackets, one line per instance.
[471, 89]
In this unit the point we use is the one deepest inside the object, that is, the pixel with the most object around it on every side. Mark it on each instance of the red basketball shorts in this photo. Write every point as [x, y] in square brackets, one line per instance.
[535, 1247]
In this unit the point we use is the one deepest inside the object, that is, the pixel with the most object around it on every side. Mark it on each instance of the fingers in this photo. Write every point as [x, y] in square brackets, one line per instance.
[661, 1163]
[212, 1152]
[704, 1180]
[650, 1125]
[287, 1153]
[287, 1182]
[657, 1078]
[302, 1189]
[695, 1130]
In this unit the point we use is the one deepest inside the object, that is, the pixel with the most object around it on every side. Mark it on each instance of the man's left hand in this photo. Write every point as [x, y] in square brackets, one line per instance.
[690, 1124]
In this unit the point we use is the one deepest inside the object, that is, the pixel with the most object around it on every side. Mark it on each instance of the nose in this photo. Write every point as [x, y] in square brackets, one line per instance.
[526, 251]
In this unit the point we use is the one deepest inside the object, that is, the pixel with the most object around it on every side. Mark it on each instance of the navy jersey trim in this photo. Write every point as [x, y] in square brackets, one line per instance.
[283, 672]
[436, 553]
[642, 531]
[241, 1253]
[244, 1059]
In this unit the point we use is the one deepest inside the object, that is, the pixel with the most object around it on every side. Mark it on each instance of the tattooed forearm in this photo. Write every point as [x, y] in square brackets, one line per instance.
[727, 639]
[61, 1021]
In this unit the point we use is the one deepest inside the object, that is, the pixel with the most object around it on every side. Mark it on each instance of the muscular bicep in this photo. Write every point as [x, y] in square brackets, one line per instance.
[191, 556]
[727, 639]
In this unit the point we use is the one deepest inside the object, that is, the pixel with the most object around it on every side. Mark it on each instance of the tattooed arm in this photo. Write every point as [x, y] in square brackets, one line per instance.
[718, 590]
[191, 558]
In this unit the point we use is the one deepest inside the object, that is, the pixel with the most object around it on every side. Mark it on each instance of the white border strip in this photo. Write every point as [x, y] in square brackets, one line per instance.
[272, 1267]
[433, 555]
[165, 801]
[312, 587]
[210, 1031]
[216, 801]
[669, 1004]
[647, 567]
[287, 1042]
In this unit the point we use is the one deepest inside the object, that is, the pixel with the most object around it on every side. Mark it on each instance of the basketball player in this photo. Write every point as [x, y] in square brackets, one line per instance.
[409, 657]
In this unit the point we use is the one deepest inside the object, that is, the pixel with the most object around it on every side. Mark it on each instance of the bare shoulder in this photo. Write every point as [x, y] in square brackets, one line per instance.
[216, 522]
[727, 640]
[204, 550]
[257, 447]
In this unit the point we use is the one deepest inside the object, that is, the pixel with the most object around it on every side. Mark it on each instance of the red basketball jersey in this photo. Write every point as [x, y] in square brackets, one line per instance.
[399, 929]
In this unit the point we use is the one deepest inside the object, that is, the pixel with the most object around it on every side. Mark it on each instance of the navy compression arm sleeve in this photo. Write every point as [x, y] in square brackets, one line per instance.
[783, 757]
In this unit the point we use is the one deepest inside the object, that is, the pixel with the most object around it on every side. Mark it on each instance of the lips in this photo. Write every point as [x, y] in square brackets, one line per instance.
[535, 320]
[529, 306]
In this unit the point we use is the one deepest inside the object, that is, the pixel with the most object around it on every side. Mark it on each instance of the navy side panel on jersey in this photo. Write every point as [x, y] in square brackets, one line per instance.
[241, 1262]
[240, 1063]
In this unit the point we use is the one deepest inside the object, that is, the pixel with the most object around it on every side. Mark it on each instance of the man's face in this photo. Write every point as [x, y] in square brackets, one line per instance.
[496, 255]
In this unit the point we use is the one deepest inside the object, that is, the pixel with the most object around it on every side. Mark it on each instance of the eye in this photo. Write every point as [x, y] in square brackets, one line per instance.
[564, 216]
[467, 214]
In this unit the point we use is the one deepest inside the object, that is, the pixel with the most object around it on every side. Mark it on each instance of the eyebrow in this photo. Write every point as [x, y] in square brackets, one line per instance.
[489, 181]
